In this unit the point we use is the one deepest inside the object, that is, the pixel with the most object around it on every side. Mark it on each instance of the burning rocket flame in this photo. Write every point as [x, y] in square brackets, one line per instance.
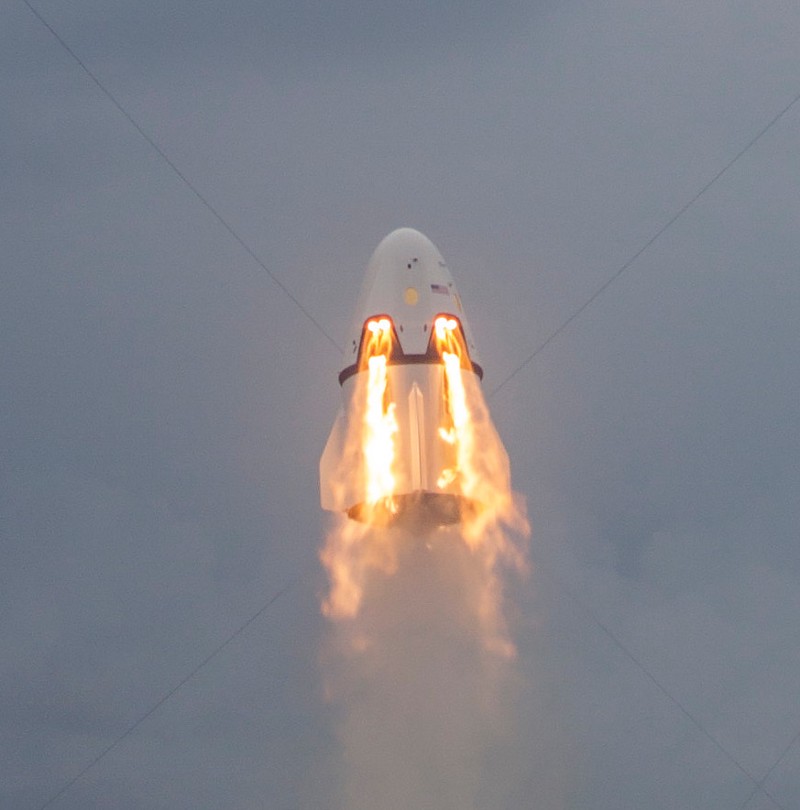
[482, 475]
[480, 466]
[347, 556]
[458, 434]
[478, 474]
[380, 424]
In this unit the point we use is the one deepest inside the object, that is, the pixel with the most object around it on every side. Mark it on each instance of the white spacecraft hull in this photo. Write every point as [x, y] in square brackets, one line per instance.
[408, 286]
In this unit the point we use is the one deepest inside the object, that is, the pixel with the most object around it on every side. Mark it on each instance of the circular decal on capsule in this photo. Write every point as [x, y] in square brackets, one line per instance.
[411, 296]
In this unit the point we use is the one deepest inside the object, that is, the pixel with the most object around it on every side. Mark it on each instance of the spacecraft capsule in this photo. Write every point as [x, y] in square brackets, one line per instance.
[390, 457]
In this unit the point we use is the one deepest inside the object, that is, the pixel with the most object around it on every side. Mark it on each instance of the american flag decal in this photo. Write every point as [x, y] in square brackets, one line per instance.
[440, 288]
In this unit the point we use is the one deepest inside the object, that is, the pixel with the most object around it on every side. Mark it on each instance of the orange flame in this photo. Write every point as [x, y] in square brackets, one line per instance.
[380, 423]
[480, 463]
[347, 555]
[478, 474]
[483, 478]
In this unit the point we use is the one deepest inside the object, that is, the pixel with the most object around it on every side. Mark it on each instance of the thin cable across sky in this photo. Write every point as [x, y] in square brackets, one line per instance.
[658, 234]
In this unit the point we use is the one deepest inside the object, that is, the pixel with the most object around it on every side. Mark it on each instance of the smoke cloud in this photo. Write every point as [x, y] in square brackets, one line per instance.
[423, 689]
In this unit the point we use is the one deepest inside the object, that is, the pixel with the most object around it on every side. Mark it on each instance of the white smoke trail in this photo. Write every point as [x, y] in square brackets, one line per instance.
[423, 689]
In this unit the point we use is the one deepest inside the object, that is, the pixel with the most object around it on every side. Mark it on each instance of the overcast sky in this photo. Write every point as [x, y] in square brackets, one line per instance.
[164, 403]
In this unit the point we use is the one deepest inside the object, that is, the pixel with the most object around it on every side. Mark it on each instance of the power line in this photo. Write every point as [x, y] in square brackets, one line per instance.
[184, 179]
[660, 232]
[760, 785]
[165, 697]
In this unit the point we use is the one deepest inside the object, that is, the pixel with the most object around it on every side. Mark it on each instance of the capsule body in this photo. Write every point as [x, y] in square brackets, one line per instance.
[391, 455]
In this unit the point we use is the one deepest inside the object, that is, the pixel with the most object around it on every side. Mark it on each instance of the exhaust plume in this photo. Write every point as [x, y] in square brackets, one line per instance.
[420, 660]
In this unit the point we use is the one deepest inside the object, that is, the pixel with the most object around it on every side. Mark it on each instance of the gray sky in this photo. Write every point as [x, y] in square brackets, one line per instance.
[164, 403]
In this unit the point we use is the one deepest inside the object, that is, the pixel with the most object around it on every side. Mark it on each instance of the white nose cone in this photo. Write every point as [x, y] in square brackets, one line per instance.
[408, 280]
